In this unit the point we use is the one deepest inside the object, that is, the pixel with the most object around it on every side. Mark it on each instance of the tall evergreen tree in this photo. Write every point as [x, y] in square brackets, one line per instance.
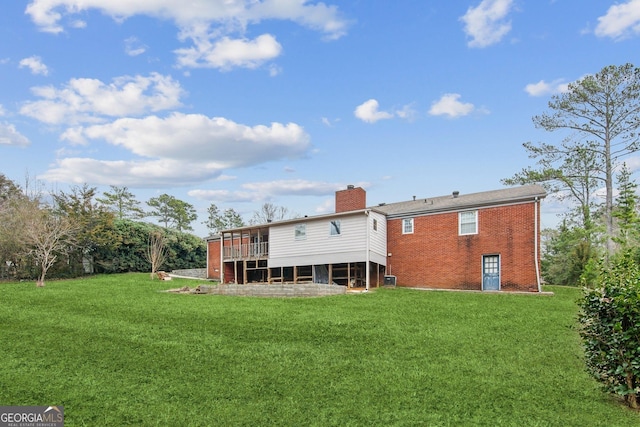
[626, 210]
[173, 212]
[221, 221]
[601, 114]
[122, 202]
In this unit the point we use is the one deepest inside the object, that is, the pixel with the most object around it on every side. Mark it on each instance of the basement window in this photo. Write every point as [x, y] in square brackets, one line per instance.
[301, 232]
[468, 222]
[407, 226]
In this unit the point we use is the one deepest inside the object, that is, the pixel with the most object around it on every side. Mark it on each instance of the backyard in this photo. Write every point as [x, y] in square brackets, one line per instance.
[114, 350]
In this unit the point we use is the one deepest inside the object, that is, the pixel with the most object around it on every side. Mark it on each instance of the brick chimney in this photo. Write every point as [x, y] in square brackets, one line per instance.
[351, 199]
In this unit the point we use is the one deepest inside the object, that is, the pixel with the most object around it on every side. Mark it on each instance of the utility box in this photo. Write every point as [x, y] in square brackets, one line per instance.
[389, 280]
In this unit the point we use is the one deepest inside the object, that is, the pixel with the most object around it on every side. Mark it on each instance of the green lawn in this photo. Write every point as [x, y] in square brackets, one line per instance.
[115, 351]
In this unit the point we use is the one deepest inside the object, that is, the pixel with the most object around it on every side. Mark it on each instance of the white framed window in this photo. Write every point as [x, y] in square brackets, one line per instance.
[468, 222]
[301, 232]
[375, 224]
[407, 226]
[334, 228]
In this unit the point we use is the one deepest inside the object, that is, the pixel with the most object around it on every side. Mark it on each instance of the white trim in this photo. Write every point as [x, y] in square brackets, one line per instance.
[404, 231]
[475, 220]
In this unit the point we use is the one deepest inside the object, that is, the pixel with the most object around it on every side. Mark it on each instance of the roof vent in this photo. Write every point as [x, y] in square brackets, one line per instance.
[414, 198]
[456, 194]
[350, 187]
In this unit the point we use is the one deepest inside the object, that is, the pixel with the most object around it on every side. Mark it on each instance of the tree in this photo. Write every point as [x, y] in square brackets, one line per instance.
[568, 252]
[602, 114]
[46, 234]
[172, 211]
[184, 250]
[156, 251]
[269, 212]
[11, 241]
[8, 190]
[626, 210]
[95, 224]
[122, 202]
[217, 221]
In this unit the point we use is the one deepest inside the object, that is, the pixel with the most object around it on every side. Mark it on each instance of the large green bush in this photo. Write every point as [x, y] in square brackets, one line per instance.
[184, 250]
[610, 320]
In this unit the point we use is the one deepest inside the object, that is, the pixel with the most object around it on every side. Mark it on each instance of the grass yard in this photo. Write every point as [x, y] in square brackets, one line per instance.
[115, 351]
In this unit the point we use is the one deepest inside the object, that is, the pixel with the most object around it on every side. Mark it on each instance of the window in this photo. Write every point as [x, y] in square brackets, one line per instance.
[334, 228]
[468, 222]
[407, 226]
[301, 231]
[375, 224]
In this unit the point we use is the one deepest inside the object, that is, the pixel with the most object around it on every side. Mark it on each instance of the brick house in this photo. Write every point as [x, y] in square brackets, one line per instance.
[481, 241]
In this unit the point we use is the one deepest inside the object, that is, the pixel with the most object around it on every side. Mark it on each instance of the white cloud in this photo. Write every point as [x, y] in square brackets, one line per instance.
[10, 136]
[225, 196]
[449, 105]
[133, 46]
[293, 187]
[35, 64]
[48, 14]
[486, 24]
[633, 163]
[621, 21]
[327, 206]
[91, 100]
[229, 16]
[226, 53]
[194, 137]
[369, 112]
[543, 88]
[179, 149]
[260, 191]
[141, 173]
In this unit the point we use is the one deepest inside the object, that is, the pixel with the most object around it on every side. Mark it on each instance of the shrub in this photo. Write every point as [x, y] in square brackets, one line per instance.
[610, 328]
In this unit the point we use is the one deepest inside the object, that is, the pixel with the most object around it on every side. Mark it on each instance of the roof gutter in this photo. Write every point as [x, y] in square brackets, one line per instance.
[457, 208]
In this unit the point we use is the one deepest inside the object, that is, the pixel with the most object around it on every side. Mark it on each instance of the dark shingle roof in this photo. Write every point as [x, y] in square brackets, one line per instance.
[462, 201]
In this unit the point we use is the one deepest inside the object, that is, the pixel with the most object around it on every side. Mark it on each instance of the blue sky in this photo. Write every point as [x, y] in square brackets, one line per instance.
[242, 102]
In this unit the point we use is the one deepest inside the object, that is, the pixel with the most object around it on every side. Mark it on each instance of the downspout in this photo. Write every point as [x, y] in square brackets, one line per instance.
[536, 204]
[367, 255]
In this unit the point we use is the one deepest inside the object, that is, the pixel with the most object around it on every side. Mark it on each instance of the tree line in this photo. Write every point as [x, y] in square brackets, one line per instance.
[75, 232]
[597, 244]
[598, 118]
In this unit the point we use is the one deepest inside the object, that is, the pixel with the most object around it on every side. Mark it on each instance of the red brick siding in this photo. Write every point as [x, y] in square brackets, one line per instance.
[351, 199]
[436, 256]
[213, 259]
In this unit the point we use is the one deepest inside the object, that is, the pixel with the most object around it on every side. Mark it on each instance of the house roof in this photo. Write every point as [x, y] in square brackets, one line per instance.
[297, 220]
[452, 202]
[425, 205]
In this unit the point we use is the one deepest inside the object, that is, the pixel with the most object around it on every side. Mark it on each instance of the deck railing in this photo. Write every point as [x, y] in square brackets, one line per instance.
[247, 250]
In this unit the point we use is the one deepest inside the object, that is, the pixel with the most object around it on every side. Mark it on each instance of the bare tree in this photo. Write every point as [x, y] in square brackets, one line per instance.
[46, 234]
[269, 212]
[156, 251]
